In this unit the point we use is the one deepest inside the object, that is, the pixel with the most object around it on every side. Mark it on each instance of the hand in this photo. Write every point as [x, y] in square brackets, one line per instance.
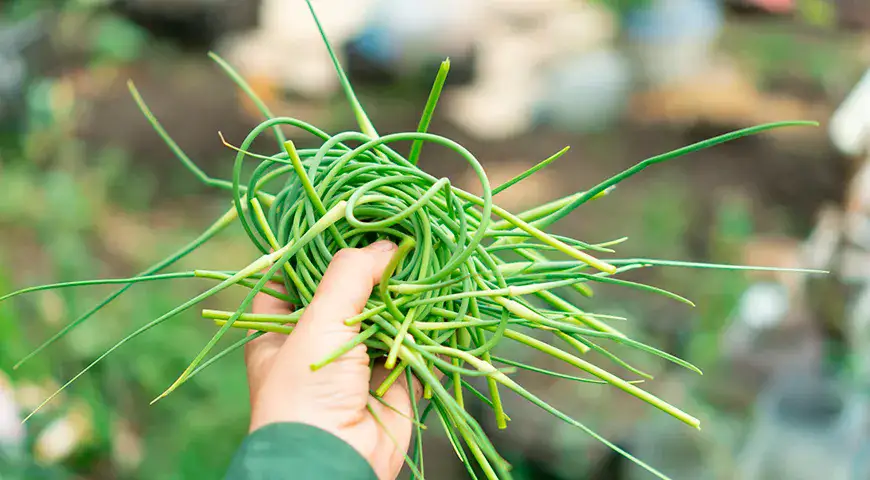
[334, 398]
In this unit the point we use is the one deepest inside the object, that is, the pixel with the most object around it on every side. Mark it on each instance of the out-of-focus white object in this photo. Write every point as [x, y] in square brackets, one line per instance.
[524, 9]
[11, 430]
[500, 102]
[63, 436]
[493, 112]
[518, 45]
[850, 125]
[858, 207]
[558, 27]
[408, 34]
[673, 39]
[587, 92]
[859, 335]
[763, 305]
[822, 245]
[287, 50]
[770, 330]
[850, 132]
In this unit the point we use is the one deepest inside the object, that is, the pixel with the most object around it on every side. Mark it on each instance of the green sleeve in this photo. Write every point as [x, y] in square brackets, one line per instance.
[299, 452]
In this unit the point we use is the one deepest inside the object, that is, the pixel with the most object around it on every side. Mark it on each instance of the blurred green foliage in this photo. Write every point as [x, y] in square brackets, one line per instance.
[68, 212]
[60, 212]
[778, 51]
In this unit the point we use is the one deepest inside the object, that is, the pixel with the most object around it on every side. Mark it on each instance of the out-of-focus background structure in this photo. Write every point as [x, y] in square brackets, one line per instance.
[88, 190]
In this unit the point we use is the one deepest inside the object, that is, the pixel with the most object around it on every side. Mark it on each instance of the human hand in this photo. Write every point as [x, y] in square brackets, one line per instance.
[283, 387]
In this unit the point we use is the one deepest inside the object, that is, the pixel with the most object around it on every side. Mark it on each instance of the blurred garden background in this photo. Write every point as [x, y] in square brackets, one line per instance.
[88, 190]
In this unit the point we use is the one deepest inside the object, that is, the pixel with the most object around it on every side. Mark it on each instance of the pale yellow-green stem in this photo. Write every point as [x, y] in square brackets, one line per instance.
[391, 379]
[273, 242]
[259, 326]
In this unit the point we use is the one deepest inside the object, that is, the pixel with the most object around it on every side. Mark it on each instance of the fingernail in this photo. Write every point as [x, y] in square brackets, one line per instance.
[383, 246]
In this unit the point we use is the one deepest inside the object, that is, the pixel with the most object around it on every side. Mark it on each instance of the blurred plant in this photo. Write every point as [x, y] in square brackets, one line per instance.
[58, 202]
[66, 215]
[778, 53]
[822, 13]
[733, 225]
[623, 7]
[118, 39]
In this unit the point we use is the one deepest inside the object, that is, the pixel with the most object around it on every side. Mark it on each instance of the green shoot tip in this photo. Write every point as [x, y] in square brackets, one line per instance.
[165, 393]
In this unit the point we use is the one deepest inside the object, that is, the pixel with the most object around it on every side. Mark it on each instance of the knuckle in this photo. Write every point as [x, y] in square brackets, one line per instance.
[349, 255]
[359, 352]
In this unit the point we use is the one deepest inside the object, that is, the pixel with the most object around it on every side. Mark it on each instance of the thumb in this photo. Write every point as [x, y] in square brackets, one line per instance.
[341, 294]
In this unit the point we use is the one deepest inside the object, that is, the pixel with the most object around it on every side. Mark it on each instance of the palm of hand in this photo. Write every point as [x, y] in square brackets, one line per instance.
[336, 397]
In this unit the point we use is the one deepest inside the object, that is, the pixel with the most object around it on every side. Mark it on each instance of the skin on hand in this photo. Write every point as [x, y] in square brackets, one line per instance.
[283, 387]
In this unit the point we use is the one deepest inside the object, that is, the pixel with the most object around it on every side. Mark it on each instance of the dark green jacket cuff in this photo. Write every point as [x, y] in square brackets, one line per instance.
[299, 452]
